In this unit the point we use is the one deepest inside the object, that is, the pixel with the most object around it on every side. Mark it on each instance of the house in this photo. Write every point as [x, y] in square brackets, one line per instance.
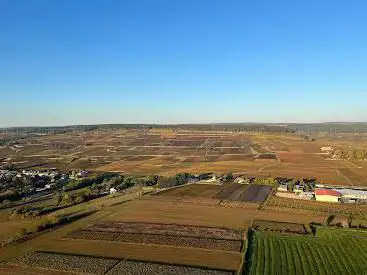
[241, 180]
[306, 195]
[298, 189]
[327, 149]
[327, 195]
[282, 188]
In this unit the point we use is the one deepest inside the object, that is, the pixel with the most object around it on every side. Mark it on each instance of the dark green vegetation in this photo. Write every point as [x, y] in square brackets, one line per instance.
[331, 251]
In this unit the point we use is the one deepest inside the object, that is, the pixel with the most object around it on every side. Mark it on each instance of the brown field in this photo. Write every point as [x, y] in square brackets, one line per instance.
[101, 265]
[167, 152]
[354, 176]
[283, 227]
[218, 194]
[137, 268]
[159, 239]
[109, 232]
[194, 190]
[167, 229]
[178, 255]
[16, 270]
[278, 203]
[160, 231]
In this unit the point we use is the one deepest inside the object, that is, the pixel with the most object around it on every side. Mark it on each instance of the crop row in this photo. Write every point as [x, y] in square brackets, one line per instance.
[141, 268]
[314, 206]
[95, 265]
[93, 235]
[229, 245]
[274, 254]
[230, 192]
[207, 243]
[261, 225]
[69, 263]
[168, 229]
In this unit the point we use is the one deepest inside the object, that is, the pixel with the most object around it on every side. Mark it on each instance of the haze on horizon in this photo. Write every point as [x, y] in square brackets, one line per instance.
[92, 62]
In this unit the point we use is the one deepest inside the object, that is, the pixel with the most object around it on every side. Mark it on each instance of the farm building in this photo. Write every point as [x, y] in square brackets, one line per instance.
[353, 194]
[326, 148]
[282, 188]
[327, 195]
[241, 180]
[306, 195]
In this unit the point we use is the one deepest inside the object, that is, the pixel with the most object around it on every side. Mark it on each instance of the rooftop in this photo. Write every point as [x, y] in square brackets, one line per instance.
[327, 192]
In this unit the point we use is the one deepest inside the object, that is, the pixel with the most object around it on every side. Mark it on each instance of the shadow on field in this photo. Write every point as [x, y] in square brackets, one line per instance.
[249, 252]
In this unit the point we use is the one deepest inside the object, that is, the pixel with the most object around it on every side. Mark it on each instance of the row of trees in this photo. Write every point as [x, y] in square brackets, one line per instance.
[350, 154]
[179, 179]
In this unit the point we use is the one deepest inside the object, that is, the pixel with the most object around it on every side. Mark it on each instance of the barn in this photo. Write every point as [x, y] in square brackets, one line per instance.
[328, 195]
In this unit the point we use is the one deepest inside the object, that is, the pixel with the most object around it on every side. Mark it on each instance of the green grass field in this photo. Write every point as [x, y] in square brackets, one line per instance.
[332, 251]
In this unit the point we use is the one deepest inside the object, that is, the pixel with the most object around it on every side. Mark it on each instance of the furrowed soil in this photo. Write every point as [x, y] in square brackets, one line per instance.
[165, 254]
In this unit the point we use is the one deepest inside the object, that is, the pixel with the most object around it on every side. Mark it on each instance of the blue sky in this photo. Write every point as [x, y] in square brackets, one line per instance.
[182, 61]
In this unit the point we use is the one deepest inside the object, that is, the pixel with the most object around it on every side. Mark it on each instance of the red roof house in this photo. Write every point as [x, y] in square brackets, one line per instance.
[327, 192]
[327, 195]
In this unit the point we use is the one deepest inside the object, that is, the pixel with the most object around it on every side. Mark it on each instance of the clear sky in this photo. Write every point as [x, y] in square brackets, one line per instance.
[182, 61]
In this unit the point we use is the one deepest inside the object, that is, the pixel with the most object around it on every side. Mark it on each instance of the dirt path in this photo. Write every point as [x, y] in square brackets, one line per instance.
[352, 164]
[271, 164]
[344, 176]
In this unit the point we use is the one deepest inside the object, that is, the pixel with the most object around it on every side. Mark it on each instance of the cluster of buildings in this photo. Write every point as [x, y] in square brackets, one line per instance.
[344, 195]
[327, 194]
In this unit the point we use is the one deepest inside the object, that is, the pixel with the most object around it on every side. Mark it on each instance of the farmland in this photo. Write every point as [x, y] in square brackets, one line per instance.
[196, 228]
[151, 234]
[263, 225]
[220, 193]
[168, 151]
[332, 251]
[302, 206]
[171, 151]
[163, 234]
[95, 265]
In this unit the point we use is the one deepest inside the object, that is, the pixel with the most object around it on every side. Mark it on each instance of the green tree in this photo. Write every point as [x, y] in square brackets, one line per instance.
[350, 155]
[360, 154]
[58, 198]
[329, 219]
[228, 177]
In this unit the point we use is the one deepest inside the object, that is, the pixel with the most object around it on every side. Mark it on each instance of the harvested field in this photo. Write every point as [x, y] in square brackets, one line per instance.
[279, 203]
[207, 243]
[140, 158]
[239, 204]
[200, 200]
[168, 229]
[256, 193]
[267, 156]
[192, 159]
[282, 227]
[231, 157]
[26, 270]
[230, 191]
[354, 178]
[154, 211]
[192, 190]
[93, 235]
[65, 262]
[138, 268]
[212, 259]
